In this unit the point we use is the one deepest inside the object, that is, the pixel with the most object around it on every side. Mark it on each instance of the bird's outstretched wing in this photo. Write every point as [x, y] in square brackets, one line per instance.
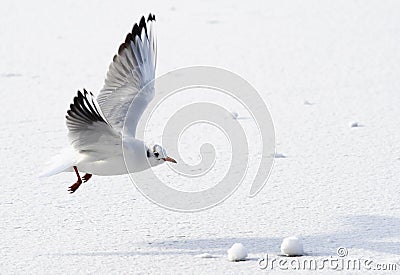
[131, 70]
[88, 129]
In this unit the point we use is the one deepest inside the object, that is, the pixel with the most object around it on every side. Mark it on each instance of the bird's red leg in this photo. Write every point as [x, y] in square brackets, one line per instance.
[86, 177]
[76, 185]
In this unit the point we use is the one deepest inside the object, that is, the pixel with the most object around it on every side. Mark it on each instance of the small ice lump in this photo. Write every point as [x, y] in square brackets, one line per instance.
[292, 246]
[234, 115]
[237, 252]
[279, 156]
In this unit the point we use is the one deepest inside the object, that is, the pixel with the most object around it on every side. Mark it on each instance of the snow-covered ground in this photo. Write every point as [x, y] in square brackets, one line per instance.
[321, 66]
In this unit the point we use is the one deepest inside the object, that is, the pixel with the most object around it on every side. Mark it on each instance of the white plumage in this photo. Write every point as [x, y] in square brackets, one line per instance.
[95, 126]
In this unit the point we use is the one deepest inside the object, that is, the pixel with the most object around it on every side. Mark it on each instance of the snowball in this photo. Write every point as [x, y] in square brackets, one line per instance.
[292, 246]
[237, 252]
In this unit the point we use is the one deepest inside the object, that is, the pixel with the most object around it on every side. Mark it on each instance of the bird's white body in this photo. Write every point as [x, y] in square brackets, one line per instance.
[114, 164]
[110, 164]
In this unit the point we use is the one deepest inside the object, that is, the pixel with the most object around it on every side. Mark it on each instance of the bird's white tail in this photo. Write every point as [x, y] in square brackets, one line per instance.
[60, 163]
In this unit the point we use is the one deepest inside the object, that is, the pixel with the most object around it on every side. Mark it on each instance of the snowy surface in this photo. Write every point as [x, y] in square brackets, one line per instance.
[337, 186]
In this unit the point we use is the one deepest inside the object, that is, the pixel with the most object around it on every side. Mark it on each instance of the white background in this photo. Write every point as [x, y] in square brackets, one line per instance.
[338, 186]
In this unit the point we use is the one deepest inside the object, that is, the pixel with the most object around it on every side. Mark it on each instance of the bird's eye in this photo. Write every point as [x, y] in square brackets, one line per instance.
[156, 154]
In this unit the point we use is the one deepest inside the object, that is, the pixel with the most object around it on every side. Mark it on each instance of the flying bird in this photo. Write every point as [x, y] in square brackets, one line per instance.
[95, 125]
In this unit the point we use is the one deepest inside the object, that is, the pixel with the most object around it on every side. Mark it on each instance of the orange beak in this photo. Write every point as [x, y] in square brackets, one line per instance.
[169, 159]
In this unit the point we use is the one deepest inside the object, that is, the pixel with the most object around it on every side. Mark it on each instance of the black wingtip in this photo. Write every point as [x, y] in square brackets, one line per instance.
[135, 31]
[142, 22]
[79, 94]
[137, 28]
[151, 17]
[128, 38]
[121, 48]
[82, 110]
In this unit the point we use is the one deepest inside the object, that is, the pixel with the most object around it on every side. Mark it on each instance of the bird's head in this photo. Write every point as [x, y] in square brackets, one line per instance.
[158, 155]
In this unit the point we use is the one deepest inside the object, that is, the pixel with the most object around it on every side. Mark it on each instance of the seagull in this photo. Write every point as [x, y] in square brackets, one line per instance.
[95, 126]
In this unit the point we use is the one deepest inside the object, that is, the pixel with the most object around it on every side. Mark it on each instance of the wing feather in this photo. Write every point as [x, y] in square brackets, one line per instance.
[88, 129]
[131, 70]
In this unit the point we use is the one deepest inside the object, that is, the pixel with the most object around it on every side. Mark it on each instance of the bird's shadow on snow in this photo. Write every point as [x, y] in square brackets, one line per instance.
[117, 253]
[219, 246]
[368, 232]
[373, 232]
